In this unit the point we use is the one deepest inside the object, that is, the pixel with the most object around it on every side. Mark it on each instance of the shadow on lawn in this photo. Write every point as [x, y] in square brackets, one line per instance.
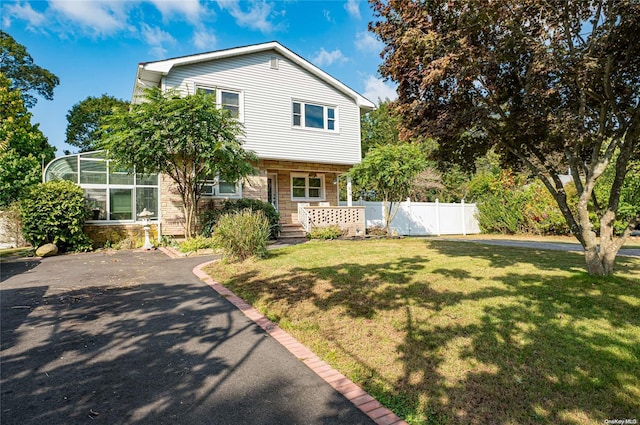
[537, 352]
[148, 354]
[531, 348]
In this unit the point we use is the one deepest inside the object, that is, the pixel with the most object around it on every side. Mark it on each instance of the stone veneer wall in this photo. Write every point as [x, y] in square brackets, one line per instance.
[114, 233]
[254, 187]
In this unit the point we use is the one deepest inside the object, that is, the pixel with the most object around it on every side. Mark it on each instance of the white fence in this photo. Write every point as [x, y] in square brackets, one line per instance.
[425, 218]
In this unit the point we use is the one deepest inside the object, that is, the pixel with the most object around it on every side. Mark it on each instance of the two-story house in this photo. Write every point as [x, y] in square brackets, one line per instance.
[303, 124]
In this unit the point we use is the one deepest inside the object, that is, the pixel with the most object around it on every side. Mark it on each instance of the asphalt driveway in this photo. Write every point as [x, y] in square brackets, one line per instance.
[134, 337]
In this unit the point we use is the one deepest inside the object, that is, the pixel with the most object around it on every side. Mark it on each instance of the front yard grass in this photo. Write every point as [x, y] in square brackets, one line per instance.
[448, 332]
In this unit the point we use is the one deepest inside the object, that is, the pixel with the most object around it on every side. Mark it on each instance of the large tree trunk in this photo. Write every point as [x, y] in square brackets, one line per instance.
[600, 257]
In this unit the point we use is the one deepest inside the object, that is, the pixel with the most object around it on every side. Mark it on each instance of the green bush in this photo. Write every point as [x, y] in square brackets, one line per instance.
[542, 215]
[325, 232]
[210, 217]
[500, 213]
[195, 244]
[242, 234]
[54, 212]
[508, 203]
[500, 202]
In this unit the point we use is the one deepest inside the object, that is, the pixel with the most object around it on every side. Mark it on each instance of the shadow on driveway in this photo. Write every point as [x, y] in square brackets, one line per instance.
[134, 337]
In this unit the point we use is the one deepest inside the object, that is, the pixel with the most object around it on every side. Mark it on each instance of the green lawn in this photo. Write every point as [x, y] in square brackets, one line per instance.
[449, 332]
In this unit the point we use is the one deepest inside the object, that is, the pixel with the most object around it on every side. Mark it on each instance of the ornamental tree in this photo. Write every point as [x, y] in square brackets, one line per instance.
[390, 171]
[187, 138]
[553, 86]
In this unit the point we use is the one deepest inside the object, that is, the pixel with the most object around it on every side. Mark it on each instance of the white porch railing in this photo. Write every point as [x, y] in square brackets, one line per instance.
[303, 217]
[351, 219]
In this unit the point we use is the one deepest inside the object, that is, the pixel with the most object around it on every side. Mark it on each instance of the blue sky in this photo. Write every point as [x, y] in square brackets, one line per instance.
[94, 46]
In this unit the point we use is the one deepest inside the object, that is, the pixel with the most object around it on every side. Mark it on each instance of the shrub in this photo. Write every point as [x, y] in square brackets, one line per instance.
[210, 217]
[377, 231]
[54, 212]
[507, 203]
[325, 232]
[195, 244]
[500, 213]
[242, 234]
[542, 215]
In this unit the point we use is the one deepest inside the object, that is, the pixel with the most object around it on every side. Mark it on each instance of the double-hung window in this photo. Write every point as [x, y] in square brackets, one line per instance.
[309, 115]
[308, 187]
[228, 99]
[216, 187]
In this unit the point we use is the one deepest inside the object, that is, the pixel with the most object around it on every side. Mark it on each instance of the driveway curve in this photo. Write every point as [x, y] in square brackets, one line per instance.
[133, 337]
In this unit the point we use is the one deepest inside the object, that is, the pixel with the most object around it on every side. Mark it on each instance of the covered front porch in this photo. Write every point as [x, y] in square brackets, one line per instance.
[307, 195]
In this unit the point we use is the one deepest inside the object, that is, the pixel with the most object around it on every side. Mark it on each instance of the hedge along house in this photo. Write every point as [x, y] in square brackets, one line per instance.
[303, 124]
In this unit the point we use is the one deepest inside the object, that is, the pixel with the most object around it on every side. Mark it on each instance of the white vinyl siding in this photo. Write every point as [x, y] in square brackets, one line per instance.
[266, 107]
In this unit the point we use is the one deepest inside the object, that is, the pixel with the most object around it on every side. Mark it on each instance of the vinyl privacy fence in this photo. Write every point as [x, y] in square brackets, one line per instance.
[425, 218]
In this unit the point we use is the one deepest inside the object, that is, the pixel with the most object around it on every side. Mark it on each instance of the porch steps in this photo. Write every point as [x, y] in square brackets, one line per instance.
[292, 231]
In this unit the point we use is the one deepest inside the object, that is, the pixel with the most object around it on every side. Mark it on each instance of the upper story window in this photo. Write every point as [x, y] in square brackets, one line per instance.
[231, 100]
[309, 115]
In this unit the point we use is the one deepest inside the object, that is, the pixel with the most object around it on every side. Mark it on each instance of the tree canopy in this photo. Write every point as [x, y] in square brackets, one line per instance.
[379, 127]
[390, 170]
[17, 65]
[23, 147]
[187, 138]
[84, 120]
[553, 86]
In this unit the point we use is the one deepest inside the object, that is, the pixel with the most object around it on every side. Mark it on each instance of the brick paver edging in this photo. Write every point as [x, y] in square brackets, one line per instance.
[359, 397]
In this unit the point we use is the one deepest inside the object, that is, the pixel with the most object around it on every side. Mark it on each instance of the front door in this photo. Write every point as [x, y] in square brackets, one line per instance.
[272, 189]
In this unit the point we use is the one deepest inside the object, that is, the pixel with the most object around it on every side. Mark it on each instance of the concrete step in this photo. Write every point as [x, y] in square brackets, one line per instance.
[290, 231]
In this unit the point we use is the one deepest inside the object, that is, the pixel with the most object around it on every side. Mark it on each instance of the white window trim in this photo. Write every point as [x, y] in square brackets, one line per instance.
[323, 193]
[215, 183]
[218, 91]
[79, 157]
[325, 113]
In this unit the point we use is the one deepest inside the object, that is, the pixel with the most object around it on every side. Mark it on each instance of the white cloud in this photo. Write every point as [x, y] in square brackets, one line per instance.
[204, 40]
[367, 42]
[191, 9]
[353, 8]
[376, 89]
[158, 52]
[155, 36]
[97, 17]
[157, 39]
[324, 58]
[257, 15]
[23, 12]
[327, 15]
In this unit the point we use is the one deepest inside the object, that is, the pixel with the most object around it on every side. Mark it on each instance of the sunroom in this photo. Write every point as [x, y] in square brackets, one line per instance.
[114, 196]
